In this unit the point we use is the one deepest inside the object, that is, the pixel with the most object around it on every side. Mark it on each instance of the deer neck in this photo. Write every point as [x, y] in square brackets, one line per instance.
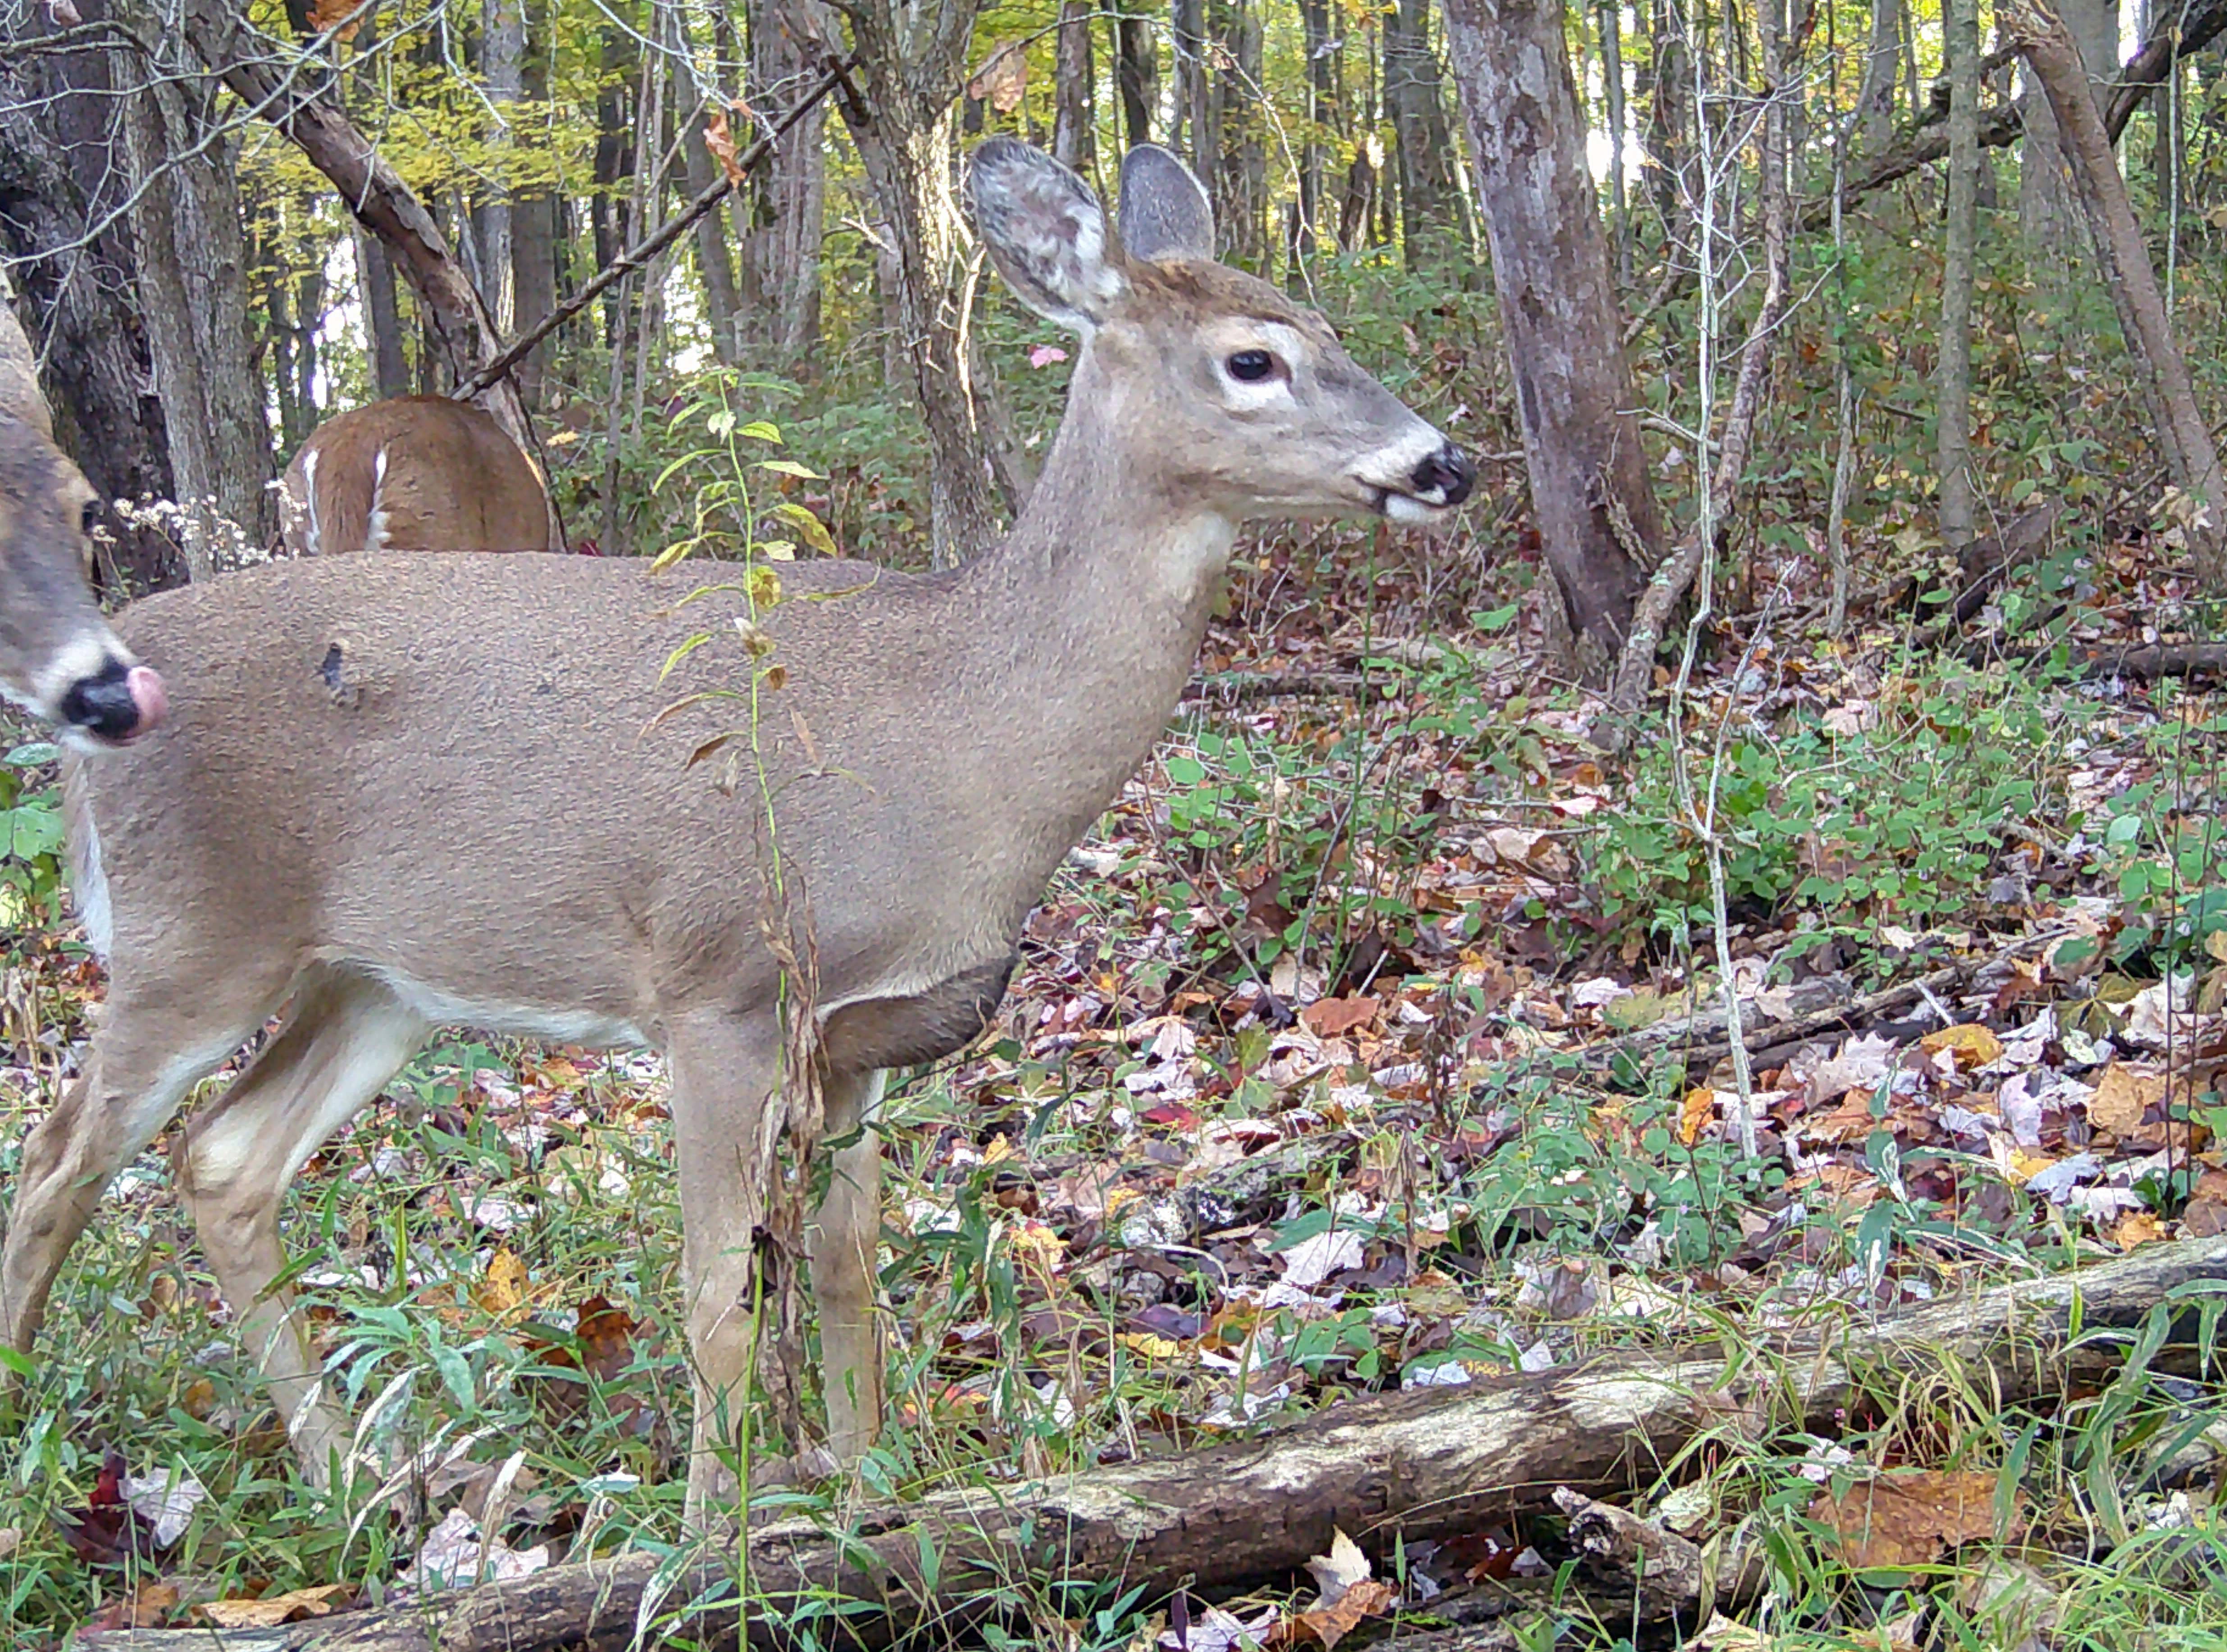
[1085, 621]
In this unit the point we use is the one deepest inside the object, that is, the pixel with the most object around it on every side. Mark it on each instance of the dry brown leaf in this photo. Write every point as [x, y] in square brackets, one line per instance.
[1698, 1113]
[1333, 1018]
[2139, 1228]
[147, 1606]
[1004, 81]
[1325, 1626]
[272, 1610]
[2122, 1097]
[1906, 1519]
[1974, 1046]
[719, 140]
[2206, 1216]
[325, 14]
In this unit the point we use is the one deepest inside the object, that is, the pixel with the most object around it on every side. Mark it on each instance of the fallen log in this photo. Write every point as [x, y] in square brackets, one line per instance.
[1429, 1463]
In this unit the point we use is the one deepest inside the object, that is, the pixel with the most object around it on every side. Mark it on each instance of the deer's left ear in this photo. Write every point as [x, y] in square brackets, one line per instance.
[1046, 234]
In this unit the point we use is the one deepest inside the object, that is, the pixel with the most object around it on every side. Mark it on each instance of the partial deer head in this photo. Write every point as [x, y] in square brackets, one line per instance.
[417, 472]
[1252, 406]
[408, 791]
[59, 660]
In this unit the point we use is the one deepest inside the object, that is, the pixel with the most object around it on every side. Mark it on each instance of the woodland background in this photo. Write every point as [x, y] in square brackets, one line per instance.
[1755, 872]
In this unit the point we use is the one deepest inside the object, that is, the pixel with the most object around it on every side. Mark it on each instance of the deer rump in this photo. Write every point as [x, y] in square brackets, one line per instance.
[421, 472]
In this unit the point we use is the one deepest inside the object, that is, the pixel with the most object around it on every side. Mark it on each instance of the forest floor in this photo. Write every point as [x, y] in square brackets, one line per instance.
[1375, 1040]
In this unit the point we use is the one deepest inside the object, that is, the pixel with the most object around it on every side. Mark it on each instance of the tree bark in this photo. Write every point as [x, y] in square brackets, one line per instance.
[2190, 458]
[503, 63]
[1405, 1467]
[1670, 109]
[77, 306]
[785, 199]
[1611, 44]
[909, 64]
[192, 285]
[1960, 30]
[1242, 209]
[1874, 111]
[722, 310]
[1415, 99]
[2049, 213]
[1558, 312]
[1136, 68]
[1314, 28]
[1074, 143]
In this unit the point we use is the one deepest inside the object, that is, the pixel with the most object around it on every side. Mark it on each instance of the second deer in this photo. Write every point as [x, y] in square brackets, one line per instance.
[59, 660]
[415, 473]
[399, 791]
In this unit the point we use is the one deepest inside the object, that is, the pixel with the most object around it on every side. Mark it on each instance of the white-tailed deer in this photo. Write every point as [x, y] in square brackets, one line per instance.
[59, 660]
[405, 791]
[418, 473]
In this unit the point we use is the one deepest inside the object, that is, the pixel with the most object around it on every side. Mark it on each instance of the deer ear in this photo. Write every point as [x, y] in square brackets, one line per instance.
[1166, 213]
[1045, 231]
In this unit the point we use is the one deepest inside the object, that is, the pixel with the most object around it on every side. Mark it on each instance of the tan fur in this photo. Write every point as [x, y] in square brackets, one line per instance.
[19, 376]
[405, 790]
[451, 481]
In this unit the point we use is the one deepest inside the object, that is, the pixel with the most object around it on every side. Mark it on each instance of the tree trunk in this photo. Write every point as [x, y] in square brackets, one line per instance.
[1137, 70]
[1073, 141]
[1416, 101]
[2191, 460]
[192, 285]
[533, 252]
[1314, 25]
[909, 64]
[503, 63]
[1670, 110]
[2049, 212]
[1611, 42]
[1242, 210]
[783, 201]
[56, 113]
[722, 301]
[1558, 312]
[1960, 30]
[1400, 1469]
[1874, 111]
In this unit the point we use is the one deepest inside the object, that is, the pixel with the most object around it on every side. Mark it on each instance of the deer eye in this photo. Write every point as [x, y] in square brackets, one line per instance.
[1251, 366]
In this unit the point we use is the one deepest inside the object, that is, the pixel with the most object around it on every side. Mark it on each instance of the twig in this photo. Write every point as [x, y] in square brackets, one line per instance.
[643, 251]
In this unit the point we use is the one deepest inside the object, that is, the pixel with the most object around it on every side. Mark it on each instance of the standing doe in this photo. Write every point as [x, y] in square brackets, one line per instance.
[409, 791]
[417, 472]
[59, 660]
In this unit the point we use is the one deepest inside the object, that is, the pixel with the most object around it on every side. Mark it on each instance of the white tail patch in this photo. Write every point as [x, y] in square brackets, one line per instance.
[375, 523]
[316, 538]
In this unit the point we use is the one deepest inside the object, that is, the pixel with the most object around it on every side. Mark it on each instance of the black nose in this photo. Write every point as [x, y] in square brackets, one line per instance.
[1447, 473]
[103, 704]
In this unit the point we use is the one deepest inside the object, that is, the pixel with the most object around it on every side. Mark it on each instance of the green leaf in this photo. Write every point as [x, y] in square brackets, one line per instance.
[29, 756]
[1186, 771]
[790, 468]
[809, 528]
[760, 431]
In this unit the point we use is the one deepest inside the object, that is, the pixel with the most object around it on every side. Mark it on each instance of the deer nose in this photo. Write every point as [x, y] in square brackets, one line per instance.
[118, 703]
[1446, 474]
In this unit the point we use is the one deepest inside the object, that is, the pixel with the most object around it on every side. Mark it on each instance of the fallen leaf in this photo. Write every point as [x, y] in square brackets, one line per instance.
[1972, 1045]
[2122, 1097]
[108, 1531]
[272, 1610]
[2139, 1228]
[1328, 1624]
[2207, 1214]
[1902, 1521]
[502, 1289]
[147, 1606]
[1311, 1261]
[166, 1501]
[1698, 1111]
[454, 1553]
[1338, 1571]
[1333, 1017]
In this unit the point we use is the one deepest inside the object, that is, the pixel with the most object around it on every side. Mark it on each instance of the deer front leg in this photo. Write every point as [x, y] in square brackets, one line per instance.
[724, 1070]
[843, 1238]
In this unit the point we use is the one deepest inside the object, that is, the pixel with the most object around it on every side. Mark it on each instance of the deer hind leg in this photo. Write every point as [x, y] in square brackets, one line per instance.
[344, 1038]
[724, 1070]
[845, 1239]
[147, 1054]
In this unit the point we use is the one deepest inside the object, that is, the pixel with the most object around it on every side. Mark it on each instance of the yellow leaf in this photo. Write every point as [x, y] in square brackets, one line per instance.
[2139, 1228]
[1152, 1347]
[1698, 1112]
[502, 1290]
[1974, 1046]
[2122, 1097]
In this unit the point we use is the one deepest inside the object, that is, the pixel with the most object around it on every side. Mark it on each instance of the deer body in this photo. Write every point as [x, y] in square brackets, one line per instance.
[59, 660]
[420, 473]
[404, 790]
